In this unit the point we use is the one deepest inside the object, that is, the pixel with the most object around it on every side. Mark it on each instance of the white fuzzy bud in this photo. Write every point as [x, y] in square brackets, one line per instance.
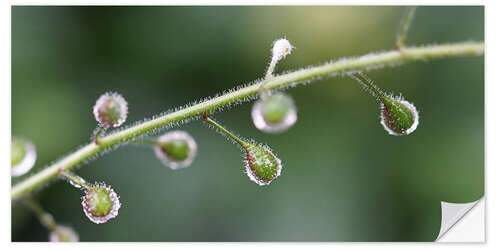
[281, 48]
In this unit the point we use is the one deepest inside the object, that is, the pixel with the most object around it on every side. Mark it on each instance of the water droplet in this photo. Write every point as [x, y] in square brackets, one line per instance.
[275, 113]
[110, 110]
[75, 183]
[63, 234]
[100, 203]
[176, 149]
[23, 156]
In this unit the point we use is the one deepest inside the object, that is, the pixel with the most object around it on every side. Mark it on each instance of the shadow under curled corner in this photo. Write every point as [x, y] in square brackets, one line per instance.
[452, 216]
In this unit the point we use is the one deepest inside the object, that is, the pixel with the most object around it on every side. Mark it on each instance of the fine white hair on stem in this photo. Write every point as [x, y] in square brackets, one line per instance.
[120, 137]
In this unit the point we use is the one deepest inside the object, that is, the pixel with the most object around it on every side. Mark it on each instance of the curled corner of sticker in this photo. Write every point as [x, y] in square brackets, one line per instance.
[451, 213]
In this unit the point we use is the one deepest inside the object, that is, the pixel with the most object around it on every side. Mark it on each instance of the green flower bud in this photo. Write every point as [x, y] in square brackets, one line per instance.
[23, 156]
[261, 165]
[63, 234]
[398, 117]
[275, 113]
[176, 149]
[100, 203]
[110, 110]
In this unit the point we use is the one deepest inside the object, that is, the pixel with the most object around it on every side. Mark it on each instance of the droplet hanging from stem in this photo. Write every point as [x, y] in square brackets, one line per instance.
[175, 149]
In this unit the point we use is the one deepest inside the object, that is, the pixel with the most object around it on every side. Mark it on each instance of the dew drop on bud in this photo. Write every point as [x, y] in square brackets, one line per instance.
[275, 113]
[262, 166]
[110, 110]
[100, 203]
[176, 149]
[63, 234]
[76, 182]
[23, 156]
[398, 117]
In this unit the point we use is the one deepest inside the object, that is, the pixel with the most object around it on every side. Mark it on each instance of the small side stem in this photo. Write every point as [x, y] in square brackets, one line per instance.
[269, 75]
[405, 25]
[371, 87]
[270, 69]
[223, 130]
[98, 133]
[45, 218]
[74, 179]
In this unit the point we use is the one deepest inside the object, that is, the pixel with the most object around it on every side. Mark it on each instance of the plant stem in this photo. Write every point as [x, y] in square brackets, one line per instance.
[370, 86]
[405, 25]
[44, 217]
[74, 179]
[98, 133]
[366, 62]
[224, 130]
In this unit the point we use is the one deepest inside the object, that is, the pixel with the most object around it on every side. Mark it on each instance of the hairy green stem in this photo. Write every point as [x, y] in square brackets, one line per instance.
[369, 61]
[224, 130]
[405, 25]
[98, 133]
[74, 179]
[372, 88]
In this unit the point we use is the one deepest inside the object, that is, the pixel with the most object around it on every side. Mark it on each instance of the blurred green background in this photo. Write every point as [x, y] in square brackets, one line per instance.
[344, 177]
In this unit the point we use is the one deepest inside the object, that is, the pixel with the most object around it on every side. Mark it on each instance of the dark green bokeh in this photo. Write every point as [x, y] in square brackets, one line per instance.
[344, 178]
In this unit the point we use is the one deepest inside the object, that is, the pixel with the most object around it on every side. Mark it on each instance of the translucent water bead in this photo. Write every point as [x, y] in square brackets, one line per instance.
[275, 113]
[176, 149]
[23, 156]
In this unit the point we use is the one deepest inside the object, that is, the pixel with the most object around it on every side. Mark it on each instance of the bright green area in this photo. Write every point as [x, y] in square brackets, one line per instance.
[178, 150]
[99, 202]
[397, 116]
[344, 178]
[275, 107]
[18, 151]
